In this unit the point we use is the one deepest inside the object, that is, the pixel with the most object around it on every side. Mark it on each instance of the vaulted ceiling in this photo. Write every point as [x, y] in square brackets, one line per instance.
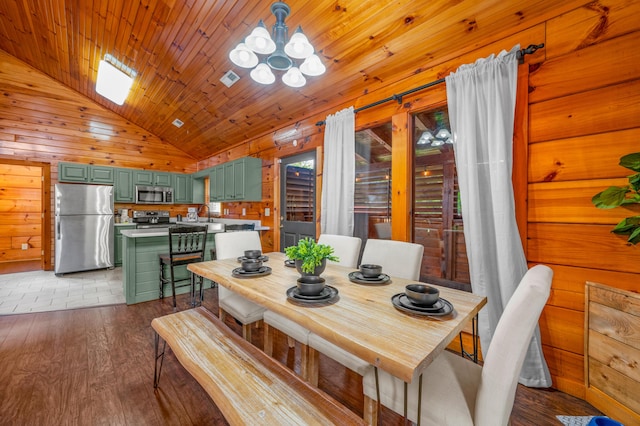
[180, 50]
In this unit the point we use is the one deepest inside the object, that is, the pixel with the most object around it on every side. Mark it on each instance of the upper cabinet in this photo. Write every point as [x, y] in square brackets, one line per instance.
[146, 177]
[183, 189]
[124, 190]
[72, 172]
[239, 180]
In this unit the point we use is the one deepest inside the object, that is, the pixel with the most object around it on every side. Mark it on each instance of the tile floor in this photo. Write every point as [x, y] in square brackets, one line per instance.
[41, 291]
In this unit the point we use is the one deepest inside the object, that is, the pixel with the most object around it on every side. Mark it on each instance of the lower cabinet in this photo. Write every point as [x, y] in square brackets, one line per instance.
[118, 242]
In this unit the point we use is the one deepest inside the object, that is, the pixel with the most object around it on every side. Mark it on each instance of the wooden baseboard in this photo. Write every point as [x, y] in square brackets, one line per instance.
[21, 266]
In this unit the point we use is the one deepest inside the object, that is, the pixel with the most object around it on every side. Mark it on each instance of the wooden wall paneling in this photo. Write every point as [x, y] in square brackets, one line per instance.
[602, 110]
[553, 78]
[562, 329]
[592, 23]
[567, 370]
[570, 202]
[401, 178]
[584, 157]
[588, 246]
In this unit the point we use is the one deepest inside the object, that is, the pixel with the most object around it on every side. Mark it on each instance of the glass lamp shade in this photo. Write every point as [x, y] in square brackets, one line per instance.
[260, 41]
[294, 78]
[312, 66]
[112, 83]
[262, 74]
[243, 57]
[443, 134]
[298, 46]
[437, 142]
[425, 138]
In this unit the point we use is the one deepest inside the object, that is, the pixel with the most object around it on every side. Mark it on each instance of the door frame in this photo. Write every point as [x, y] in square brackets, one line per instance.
[277, 196]
[45, 210]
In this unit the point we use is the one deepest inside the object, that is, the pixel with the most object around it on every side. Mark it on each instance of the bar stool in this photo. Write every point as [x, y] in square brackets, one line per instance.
[186, 245]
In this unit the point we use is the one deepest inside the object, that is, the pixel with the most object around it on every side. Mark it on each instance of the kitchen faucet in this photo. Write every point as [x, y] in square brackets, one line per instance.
[208, 212]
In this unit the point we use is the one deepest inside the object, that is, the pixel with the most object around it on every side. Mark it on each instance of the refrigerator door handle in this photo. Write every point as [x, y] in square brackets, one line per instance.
[58, 228]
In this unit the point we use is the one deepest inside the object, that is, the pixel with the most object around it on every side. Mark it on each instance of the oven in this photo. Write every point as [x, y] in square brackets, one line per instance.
[145, 219]
[154, 195]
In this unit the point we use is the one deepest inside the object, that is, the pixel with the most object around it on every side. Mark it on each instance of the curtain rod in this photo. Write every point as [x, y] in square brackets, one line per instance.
[519, 55]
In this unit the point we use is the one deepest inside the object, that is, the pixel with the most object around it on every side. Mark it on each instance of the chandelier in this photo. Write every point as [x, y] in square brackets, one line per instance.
[443, 136]
[280, 52]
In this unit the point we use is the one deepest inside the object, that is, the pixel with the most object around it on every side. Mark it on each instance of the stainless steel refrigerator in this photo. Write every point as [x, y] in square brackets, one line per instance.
[83, 227]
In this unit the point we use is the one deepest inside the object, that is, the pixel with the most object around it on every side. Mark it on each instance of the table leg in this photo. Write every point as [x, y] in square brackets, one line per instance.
[158, 368]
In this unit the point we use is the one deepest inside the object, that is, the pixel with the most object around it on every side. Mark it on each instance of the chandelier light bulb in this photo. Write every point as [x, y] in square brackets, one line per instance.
[312, 66]
[262, 74]
[243, 57]
[299, 46]
[294, 78]
[260, 41]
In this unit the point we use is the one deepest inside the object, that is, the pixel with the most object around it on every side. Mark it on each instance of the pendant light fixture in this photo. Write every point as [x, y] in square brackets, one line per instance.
[281, 52]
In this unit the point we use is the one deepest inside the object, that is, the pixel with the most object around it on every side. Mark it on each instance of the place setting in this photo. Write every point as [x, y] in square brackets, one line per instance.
[369, 274]
[253, 254]
[312, 289]
[422, 299]
[251, 265]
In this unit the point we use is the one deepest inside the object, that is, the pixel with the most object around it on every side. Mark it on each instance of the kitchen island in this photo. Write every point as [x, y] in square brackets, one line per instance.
[140, 264]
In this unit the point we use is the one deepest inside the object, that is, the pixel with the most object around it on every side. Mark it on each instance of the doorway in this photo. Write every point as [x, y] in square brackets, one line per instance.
[298, 198]
[24, 204]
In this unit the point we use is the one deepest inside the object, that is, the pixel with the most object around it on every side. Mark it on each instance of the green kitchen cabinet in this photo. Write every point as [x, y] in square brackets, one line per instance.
[118, 242]
[72, 172]
[149, 178]
[182, 188]
[124, 188]
[101, 174]
[239, 180]
[216, 184]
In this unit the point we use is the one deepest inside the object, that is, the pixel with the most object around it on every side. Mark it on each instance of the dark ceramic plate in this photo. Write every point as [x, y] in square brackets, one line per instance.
[290, 263]
[441, 308]
[328, 294]
[241, 273]
[262, 258]
[358, 278]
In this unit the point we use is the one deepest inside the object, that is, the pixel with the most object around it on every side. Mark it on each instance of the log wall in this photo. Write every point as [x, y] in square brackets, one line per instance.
[582, 114]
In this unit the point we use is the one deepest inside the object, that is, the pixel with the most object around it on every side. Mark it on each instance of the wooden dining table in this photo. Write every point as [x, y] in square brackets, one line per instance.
[361, 320]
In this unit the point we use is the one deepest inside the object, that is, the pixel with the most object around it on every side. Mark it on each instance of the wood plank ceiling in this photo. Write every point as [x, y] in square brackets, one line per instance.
[179, 49]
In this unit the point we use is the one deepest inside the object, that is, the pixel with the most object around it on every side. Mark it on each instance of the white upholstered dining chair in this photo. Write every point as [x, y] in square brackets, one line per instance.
[231, 245]
[456, 391]
[398, 259]
[347, 249]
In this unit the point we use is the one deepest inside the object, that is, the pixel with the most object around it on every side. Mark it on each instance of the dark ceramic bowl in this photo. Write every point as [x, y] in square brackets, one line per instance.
[370, 271]
[421, 294]
[252, 254]
[251, 265]
[310, 285]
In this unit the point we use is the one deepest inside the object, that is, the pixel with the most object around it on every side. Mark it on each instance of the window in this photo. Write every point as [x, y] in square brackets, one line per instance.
[372, 201]
[437, 219]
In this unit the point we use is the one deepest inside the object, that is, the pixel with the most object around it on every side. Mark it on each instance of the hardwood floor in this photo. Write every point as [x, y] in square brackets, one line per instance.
[94, 366]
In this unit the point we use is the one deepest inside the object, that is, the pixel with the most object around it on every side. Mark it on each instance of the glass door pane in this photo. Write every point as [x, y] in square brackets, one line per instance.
[373, 183]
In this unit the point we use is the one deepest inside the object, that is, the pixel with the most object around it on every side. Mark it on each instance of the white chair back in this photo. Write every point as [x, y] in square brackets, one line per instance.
[233, 244]
[346, 248]
[397, 258]
[509, 345]
[230, 245]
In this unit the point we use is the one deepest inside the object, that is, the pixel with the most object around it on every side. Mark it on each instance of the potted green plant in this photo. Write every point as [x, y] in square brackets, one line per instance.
[616, 196]
[310, 258]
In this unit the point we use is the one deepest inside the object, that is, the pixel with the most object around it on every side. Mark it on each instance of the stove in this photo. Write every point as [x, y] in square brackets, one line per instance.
[151, 219]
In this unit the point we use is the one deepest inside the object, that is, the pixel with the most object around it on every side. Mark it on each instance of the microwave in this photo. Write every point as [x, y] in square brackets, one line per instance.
[154, 195]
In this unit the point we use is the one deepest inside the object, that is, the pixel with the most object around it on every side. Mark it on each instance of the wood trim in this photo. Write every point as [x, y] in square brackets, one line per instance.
[401, 178]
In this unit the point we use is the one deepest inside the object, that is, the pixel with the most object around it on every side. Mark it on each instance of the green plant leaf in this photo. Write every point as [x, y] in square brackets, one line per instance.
[627, 225]
[634, 181]
[611, 197]
[631, 161]
[634, 238]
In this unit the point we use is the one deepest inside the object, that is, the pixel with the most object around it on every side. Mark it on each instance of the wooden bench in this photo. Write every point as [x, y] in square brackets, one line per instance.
[248, 386]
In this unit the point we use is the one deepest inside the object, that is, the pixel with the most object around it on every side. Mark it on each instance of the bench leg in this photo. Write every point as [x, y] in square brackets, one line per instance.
[304, 361]
[370, 411]
[268, 339]
[313, 360]
[159, 358]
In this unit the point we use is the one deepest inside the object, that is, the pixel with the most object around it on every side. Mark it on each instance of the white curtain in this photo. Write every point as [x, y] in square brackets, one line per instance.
[338, 174]
[481, 99]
